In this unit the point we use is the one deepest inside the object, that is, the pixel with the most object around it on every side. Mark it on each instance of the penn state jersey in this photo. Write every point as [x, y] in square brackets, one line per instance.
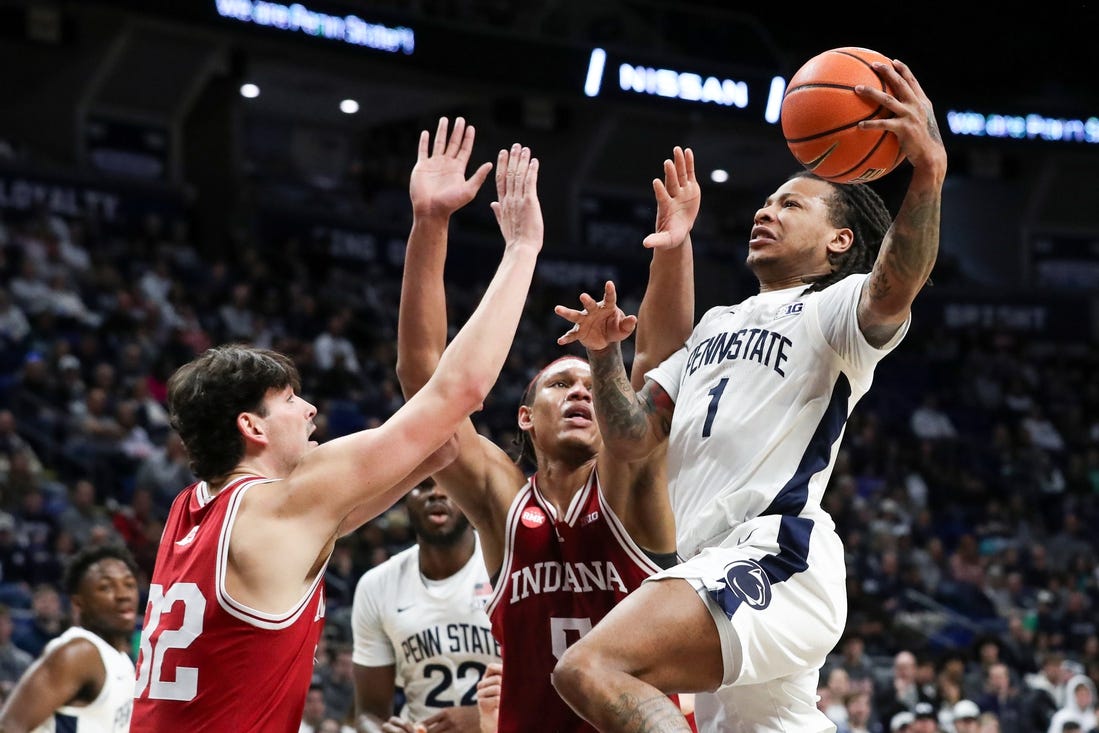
[762, 393]
[434, 632]
[558, 578]
[110, 711]
[207, 661]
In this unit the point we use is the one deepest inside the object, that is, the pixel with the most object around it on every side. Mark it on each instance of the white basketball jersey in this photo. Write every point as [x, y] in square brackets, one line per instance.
[110, 711]
[435, 633]
[762, 393]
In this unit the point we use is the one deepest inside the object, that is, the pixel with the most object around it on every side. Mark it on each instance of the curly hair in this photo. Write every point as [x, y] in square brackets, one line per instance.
[857, 207]
[206, 395]
[80, 563]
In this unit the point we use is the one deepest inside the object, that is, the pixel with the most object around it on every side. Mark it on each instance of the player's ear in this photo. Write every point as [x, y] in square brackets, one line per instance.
[841, 241]
[251, 427]
[526, 423]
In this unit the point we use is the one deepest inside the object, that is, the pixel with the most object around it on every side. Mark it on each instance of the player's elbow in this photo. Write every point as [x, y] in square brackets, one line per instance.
[412, 374]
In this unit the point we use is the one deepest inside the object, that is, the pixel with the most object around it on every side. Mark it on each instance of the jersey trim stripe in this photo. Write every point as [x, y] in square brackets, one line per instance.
[638, 555]
[514, 513]
[792, 498]
[795, 532]
[251, 616]
[64, 723]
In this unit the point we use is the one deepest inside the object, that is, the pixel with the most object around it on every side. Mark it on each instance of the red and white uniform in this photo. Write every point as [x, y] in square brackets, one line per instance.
[559, 577]
[206, 661]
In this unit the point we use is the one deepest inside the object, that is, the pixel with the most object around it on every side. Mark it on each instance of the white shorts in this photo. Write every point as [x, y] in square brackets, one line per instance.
[776, 589]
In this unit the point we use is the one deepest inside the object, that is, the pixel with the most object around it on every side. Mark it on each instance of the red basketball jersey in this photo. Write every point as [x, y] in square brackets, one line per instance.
[206, 661]
[559, 577]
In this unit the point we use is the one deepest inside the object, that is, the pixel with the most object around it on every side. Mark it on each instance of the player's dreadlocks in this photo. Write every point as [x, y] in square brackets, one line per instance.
[859, 208]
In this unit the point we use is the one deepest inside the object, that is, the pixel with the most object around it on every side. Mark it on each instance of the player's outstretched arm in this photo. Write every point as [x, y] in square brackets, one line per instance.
[910, 247]
[633, 424]
[666, 315]
[53, 681]
[368, 468]
[438, 188]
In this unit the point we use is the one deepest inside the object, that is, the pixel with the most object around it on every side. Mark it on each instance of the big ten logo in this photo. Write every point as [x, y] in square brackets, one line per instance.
[790, 309]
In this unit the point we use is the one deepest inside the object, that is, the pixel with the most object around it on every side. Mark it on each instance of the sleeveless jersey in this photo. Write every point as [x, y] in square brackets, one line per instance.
[206, 661]
[110, 711]
[762, 393]
[559, 577]
[435, 633]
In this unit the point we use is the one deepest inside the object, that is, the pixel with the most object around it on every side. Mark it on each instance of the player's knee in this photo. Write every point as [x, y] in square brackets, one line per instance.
[575, 673]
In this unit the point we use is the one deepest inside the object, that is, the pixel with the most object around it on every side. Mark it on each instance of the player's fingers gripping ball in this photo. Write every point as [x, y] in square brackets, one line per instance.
[821, 114]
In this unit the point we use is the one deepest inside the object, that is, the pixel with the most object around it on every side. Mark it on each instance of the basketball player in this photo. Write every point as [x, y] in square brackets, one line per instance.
[84, 680]
[566, 545]
[236, 600]
[752, 410]
[419, 623]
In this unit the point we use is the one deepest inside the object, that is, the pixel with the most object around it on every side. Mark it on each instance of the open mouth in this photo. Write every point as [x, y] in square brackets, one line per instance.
[579, 414]
[761, 235]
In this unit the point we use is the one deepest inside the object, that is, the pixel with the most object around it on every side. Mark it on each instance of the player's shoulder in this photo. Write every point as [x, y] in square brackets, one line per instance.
[76, 649]
[391, 570]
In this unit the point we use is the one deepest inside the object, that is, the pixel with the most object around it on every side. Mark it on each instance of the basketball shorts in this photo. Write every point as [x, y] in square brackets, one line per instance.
[776, 589]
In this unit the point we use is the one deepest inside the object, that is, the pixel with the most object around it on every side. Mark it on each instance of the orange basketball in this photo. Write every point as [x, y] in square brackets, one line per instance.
[821, 115]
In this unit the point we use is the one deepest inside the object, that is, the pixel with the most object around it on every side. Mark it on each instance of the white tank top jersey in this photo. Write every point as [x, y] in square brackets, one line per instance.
[110, 711]
[762, 393]
[435, 633]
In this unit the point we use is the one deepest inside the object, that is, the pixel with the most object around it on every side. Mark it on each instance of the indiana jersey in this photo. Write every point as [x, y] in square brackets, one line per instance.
[762, 393]
[559, 577]
[435, 633]
[110, 711]
[208, 662]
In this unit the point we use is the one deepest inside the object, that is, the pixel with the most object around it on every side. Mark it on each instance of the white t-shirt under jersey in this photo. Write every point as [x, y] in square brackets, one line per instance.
[762, 392]
[110, 711]
[435, 633]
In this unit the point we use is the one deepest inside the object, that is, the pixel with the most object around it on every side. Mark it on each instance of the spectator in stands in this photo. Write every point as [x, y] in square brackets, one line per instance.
[339, 685]
[47, 621]
[83, 514]
[1004, 699]
[858, 715]
[929, 422]
[13, 660]
[925, 719]
[966, 717]
[14, 326]
[313, 714]
[855, 662]
[1069, 542]
[899, 691]
[164, 472]
[1079, 706]
[902, 722]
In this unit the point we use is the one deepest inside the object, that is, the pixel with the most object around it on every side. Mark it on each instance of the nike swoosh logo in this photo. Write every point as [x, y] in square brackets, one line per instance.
[402, 610]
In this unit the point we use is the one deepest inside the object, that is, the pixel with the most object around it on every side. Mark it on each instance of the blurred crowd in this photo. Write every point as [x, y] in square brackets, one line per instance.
[965, 491]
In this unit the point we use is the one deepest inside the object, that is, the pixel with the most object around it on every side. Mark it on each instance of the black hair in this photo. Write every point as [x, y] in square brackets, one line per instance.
[857, 207]
[80, 563]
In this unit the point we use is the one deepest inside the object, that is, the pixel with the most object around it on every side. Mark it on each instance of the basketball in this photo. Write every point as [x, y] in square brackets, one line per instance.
[821, 113]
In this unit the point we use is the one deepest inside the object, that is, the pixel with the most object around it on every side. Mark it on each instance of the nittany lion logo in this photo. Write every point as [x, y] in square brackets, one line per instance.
[748, 582]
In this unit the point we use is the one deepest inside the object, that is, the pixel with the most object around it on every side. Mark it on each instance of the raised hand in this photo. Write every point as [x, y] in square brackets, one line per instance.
[678, 197]
[517, 209]
[438, 185]
[599, 324]
[913, 120]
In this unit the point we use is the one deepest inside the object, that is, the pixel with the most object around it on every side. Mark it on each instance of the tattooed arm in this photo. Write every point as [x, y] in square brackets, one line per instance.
[632, 423]
[908, 252]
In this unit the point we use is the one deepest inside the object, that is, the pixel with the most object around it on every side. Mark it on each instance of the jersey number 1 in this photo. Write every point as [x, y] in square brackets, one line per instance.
[185, 685]
[711, 412]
